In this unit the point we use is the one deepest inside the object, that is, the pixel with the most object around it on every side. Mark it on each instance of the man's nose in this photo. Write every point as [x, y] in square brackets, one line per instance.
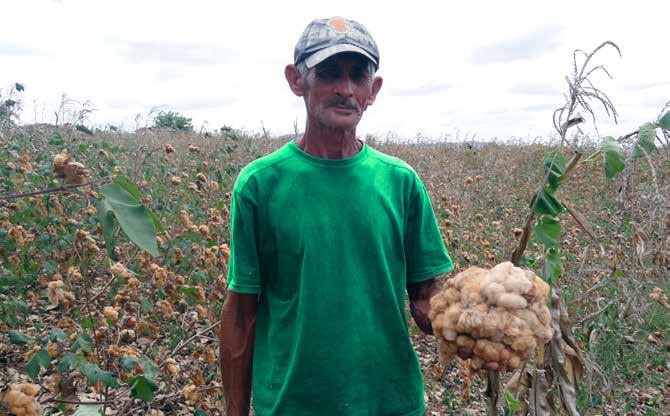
[344, 87]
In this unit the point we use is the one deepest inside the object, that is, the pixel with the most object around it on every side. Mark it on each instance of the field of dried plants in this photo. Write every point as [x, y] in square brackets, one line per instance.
[97, 323]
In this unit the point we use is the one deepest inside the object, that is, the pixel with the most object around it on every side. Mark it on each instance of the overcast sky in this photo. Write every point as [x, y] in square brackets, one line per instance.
[495, 69]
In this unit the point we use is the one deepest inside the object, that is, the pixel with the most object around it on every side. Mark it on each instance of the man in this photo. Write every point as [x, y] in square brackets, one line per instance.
[326, 236]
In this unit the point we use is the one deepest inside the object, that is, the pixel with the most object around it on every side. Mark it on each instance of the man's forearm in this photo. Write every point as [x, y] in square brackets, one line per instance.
[238, 326]
[419, 302]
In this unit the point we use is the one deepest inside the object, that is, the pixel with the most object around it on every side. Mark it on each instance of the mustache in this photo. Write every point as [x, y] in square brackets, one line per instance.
[341, 101]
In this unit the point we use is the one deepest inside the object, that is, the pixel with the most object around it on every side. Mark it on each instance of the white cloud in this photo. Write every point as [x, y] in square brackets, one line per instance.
[223, 62]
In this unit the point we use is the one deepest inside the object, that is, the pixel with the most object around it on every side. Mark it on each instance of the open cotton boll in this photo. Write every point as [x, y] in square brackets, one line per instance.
[499, 314]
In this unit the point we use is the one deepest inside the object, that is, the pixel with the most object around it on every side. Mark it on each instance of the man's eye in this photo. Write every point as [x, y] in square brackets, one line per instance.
[328, 74]
[359, 75]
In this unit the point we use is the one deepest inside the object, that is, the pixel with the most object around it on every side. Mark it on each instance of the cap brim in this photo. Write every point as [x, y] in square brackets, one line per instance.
[317, 57]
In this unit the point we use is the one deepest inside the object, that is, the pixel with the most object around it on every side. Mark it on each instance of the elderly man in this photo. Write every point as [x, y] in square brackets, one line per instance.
[327, 234]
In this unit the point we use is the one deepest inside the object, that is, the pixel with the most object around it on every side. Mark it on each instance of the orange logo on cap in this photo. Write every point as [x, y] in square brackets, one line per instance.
[339, 24]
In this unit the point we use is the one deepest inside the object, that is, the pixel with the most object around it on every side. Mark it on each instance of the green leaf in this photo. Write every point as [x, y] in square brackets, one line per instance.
[88, 410]
[128, 186]
[149, 368]
[548, 230]
[108, 225]
[128, 363]
[199, 412]
[68, 362]
[614, 157]
[511, 402]
[55, 335]
[552, 265]
[143, 388]
[548, 204]
[645, 140]
[94, 374]
[554, 167]
[134, 190]
[664, 122]
[85, 342]
[132, 216]
[56, 139]
[17, 338]
[40, 359]
[87, 323]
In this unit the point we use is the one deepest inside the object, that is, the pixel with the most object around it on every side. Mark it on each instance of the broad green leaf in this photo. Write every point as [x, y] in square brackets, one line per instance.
[69, 361]
[199, 412]
[17, 338]
[128, 363]
[54, 335]
[150, 368]
[40, 359]
[143, 388]
[94, 374]
[554, 167]
[548, 204]
[87, 323]
[85, 342]
[645, 140]
[88, 410]
[548, 231]
[134, 190]
[129, 186]
[106, 218]
[664, 121]
[614, 157]
[133, 217]
[552, 265]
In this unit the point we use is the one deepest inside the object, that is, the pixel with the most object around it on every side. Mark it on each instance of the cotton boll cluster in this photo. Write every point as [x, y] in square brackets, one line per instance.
[21, 399]
[500, 315]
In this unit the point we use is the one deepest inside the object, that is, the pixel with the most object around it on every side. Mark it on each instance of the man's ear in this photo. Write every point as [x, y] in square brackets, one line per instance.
[376, 86]
[295, 80]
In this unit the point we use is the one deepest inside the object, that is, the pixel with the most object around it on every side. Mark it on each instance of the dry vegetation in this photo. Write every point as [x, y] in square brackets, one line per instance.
[85, 328]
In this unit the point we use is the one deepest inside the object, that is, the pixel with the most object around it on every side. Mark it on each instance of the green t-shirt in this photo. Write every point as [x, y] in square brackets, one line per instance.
[330, 245]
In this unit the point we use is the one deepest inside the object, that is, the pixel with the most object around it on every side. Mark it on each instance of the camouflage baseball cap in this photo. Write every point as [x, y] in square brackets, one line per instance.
[324, 38]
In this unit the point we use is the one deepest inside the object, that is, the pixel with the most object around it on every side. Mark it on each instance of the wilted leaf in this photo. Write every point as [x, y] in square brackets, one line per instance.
[538, 403]
[614, 157]
[565, 368]
[132, 216]
[548, 230]
[645, 140]
[518, 387]
[554, 167]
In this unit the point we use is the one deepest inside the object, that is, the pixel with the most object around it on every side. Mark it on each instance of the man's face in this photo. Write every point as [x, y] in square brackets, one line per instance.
[338, 90]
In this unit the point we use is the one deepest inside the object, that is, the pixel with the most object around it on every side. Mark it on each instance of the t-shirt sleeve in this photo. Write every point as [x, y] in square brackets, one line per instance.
[425, 253]
[243, 267]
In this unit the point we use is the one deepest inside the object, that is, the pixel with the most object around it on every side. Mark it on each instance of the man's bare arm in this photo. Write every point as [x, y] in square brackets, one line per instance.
[236, 343]
[419, 302]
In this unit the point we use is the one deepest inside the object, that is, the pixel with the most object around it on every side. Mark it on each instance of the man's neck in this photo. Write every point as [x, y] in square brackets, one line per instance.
[329, 143]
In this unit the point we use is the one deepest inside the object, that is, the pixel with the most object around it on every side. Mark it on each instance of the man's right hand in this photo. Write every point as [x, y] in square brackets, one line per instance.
[236, 342]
